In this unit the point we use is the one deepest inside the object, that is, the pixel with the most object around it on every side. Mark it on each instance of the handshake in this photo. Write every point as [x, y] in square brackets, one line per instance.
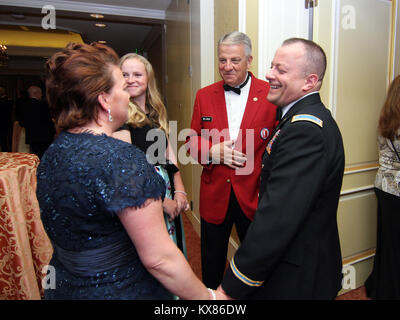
[219, 294]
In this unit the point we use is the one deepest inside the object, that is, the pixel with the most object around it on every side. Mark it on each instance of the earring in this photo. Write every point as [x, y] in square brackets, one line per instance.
[110, 118]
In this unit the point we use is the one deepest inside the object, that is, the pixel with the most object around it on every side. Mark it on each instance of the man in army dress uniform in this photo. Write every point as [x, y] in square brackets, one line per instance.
[292, 249]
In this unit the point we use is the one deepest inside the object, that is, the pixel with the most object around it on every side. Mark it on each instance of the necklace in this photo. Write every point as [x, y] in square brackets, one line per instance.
[88, 130]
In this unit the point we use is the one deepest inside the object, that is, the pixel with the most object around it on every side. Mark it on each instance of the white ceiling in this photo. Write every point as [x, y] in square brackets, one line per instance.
[128, 22]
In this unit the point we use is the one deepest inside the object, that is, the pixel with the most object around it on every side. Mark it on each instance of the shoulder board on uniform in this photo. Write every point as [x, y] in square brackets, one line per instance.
[308, 117]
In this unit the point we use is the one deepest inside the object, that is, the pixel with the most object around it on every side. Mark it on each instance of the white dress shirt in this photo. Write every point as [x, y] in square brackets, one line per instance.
[290, 105]
[235, 106]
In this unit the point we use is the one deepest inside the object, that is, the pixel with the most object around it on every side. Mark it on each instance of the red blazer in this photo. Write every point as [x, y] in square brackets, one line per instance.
[210, 126]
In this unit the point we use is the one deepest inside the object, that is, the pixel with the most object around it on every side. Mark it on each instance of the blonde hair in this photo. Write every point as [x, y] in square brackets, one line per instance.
[157, 110]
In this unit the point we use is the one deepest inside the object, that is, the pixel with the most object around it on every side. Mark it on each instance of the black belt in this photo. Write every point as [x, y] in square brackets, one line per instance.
[89, 263]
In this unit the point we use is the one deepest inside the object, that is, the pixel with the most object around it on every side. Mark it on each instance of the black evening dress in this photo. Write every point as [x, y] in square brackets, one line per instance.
[153, 142]
[84, 181]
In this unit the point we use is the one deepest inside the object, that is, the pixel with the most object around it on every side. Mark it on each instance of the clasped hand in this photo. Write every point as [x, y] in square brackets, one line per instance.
[224, 153]
[175, 207]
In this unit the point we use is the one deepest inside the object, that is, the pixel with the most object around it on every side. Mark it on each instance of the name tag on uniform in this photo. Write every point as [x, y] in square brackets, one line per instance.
[206, 119]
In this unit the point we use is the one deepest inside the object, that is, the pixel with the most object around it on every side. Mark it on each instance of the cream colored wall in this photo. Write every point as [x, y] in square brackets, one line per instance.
[179, 85]
[354, 90]
[203, 64]
[252, 31]
[324, 35]
[196, 56]
[362, 56]
[397, 39]
[190, 66]
[278, 21]
[225, 20]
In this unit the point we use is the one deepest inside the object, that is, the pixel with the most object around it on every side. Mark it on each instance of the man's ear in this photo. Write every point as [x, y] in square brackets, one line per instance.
[249, 61]
[103, 100]
[311, 82]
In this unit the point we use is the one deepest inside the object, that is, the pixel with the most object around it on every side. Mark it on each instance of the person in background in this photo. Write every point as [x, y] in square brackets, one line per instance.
[231, 124]
[384, 281]
[6, 106]
[147, 129]
[100, 200]
[292, 248]
[34, 116]
[19, 104]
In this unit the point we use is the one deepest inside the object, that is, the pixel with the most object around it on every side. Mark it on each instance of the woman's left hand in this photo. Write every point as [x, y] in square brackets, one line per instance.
[182, 202]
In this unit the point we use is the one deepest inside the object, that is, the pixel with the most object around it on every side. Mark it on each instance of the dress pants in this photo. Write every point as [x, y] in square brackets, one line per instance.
[215, 239]
[384, 281]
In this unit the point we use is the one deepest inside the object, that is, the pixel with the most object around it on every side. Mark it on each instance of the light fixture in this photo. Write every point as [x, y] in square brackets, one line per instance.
[100, 25]
[102, 41]
[3, 55]
[97, 16]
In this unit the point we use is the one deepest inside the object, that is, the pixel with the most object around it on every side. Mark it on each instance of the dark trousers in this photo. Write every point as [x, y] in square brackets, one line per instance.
[384, 281]
[215, 239]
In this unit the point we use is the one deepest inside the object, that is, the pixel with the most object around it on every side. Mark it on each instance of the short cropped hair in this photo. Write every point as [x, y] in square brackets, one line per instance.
[237, 37]
[315, 56]
[76, 76]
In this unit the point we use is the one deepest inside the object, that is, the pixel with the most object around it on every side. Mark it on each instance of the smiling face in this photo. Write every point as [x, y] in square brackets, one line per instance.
[136, 77]
[233, 63]
[287, 78]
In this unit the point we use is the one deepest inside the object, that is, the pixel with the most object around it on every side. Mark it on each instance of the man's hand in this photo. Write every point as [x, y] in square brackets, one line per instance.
[221, 294]
[224, 153]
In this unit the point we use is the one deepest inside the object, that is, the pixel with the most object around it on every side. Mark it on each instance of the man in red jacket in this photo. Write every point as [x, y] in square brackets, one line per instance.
[231, 125]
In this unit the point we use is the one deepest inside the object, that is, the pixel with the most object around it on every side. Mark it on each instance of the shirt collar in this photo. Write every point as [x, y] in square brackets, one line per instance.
[245, 79]
[290, 105]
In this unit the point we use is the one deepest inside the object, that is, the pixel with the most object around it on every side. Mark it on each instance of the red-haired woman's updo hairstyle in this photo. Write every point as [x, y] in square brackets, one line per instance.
[76, 76]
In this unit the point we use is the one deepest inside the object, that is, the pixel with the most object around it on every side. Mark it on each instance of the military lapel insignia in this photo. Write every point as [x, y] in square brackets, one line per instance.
[264, 133]
[271, 142]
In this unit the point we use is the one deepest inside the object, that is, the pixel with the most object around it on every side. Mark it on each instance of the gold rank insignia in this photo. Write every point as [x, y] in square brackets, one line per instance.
[243, 278]
[308, 117]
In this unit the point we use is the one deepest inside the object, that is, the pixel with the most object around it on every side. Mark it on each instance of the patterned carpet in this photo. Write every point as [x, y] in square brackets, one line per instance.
[193, 252]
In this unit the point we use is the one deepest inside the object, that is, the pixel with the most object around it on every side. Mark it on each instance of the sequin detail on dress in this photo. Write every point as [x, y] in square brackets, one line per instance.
[84, 180]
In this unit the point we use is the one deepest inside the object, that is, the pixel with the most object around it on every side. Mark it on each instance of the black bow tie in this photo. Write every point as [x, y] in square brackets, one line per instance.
[227, 87]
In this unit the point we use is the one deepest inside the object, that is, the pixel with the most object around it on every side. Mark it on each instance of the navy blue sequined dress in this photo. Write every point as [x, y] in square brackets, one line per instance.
[84, 180]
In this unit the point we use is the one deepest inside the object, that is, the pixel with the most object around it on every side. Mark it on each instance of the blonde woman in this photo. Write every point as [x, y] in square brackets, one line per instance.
[147, 129]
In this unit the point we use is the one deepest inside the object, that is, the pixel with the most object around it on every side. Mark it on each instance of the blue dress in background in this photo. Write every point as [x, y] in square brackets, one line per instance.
[84, 181]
